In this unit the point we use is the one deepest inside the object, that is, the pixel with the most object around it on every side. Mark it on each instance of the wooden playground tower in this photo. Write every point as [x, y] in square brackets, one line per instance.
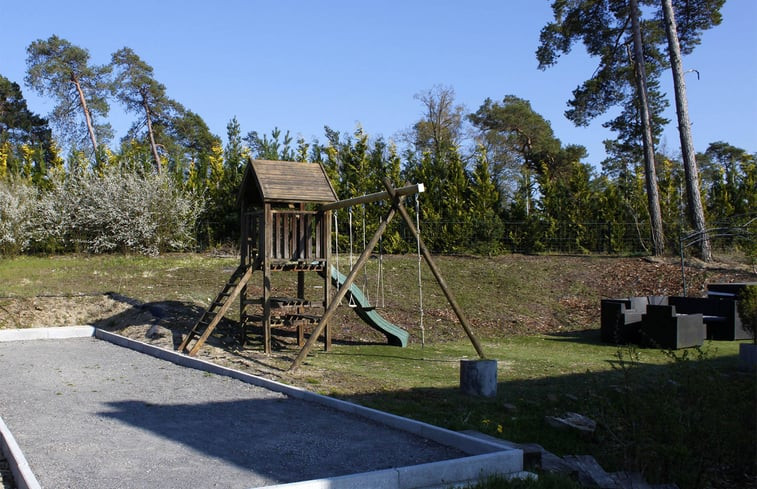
[286, 210]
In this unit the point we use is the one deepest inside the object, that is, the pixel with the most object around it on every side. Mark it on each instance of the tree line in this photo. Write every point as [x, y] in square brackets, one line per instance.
[497, 178]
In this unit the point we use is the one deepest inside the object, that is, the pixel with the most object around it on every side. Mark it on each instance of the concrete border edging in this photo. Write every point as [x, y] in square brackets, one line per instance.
[19, 466]
[22, 473]
[445, 473]
[485, 458]
[47, 333]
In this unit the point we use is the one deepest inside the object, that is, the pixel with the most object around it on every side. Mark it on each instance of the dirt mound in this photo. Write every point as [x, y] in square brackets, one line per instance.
[32, 312]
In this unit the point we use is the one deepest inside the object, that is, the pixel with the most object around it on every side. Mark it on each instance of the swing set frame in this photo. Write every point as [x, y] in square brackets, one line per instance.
[286, 226]
[397, 198]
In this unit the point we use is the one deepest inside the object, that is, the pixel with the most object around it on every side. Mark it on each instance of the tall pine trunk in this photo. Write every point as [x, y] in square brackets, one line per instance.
[653, 197]
[151, 135]
[694, 198]
[87, 116]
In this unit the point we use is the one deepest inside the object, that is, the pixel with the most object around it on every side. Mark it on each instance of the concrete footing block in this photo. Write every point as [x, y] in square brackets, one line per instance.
[478, 377]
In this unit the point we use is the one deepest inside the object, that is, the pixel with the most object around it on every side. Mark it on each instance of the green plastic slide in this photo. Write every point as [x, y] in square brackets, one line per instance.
[395, 335]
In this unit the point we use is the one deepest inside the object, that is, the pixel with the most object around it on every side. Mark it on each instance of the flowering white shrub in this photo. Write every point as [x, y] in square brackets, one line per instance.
[16, 201]
[119, 211]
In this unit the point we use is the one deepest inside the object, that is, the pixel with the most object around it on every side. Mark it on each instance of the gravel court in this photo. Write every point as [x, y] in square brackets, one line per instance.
[90, 414]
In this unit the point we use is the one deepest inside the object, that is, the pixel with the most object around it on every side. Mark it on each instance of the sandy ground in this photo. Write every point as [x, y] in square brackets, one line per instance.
[58, 311]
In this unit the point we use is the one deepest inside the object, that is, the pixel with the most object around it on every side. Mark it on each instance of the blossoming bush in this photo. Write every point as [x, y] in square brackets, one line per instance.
[16, 202]
[118, 211]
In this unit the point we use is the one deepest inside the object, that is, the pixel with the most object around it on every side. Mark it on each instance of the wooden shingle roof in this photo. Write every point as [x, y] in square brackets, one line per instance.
[267, 181]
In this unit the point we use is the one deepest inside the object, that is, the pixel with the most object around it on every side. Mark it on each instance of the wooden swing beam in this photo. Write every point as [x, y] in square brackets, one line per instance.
[397, 197]
[368, 198]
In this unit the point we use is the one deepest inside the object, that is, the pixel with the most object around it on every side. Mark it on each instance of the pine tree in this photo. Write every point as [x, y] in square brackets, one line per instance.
[698, 15]
[626, 48]
[484, 205]
[58, 68]
[135, 87]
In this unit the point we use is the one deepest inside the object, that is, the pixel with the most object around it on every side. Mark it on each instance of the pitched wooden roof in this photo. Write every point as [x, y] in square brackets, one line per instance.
[268, 181]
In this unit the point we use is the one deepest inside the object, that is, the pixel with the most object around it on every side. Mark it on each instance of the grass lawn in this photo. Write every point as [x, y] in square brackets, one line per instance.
[676, 416]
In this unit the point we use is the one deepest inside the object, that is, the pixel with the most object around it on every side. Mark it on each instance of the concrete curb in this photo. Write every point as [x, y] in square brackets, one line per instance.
[20, 469]
[46, 333]
[444, 474]
[486, 458]
[19, 466]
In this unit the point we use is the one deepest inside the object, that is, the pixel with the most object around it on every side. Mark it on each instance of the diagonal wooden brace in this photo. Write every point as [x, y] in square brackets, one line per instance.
[361, 261]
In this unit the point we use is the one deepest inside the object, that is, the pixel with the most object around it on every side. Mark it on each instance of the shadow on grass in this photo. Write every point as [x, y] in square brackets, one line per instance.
[691, 421]
[585, 337]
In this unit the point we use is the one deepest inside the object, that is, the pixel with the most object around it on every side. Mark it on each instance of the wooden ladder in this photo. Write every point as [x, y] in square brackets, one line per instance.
[213, 315]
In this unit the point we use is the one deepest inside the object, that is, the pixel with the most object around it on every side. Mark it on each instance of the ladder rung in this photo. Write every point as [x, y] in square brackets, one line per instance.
[289, 302]
[308, 318]
[211, 318]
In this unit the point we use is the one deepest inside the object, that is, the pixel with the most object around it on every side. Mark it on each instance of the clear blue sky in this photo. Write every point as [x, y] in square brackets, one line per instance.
[300, 65]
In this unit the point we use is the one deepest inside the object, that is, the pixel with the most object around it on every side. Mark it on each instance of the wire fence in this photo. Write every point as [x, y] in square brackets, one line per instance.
[543, 236]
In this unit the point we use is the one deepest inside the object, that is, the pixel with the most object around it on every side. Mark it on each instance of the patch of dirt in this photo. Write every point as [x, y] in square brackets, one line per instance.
[34, 312]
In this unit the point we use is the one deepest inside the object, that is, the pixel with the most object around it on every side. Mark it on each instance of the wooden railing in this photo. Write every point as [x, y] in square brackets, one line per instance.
[295, 235]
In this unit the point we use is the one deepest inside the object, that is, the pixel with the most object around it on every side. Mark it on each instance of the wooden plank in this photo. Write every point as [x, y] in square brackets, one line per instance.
[316, 248]
[365, 199]
[306, 243]
[325, 241]
[267, 279]
[219, 315]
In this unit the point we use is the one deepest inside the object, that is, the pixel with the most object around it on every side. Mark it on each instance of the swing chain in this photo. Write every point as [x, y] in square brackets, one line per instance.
[420, 281]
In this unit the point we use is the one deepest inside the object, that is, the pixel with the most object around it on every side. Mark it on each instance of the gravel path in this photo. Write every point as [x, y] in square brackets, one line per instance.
[90, 414]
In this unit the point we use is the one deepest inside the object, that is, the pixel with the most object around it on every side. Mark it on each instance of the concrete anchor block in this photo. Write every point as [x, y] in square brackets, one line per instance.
[478, 377]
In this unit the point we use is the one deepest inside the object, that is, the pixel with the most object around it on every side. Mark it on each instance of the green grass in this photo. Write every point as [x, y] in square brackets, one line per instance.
[651, 405]
[170, 277]
[544, 481]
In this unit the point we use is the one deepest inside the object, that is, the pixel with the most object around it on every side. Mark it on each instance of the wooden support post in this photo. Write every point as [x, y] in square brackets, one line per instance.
[437, 274]
[361, 261]
[326, 247]
[244, 247]
[268, 255]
